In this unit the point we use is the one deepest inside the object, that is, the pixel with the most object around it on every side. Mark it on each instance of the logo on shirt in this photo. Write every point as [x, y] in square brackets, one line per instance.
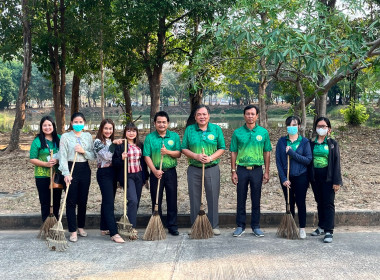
[326, 147]
[210, 137]
[259, 138]
[170, 142]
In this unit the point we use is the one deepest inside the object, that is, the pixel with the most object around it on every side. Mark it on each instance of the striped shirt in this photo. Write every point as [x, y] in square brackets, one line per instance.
[134, 155]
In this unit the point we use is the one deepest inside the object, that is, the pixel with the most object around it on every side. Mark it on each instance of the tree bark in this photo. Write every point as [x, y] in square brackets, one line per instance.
[25, 79]
[303, 107]
[127, 102]
[195, 100]
[101, 75]
[263, 117]
[75, 94]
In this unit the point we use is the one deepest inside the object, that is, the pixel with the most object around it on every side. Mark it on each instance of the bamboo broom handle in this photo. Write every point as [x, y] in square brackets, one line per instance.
[125, 178]
[287, 176]
[51, 184]
[67, 187]
[158, 184]
[203, 177]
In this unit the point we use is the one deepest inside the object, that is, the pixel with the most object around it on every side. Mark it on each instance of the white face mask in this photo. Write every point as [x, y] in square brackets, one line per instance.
[322, 131]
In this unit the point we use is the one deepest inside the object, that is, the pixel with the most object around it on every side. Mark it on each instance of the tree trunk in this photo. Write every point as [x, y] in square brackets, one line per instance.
[195, 100]
[303, 107]
[263, 117]
[101, 75]
[25, 79]
[127, 102]
[155, 80]
[75, 94]
[63, 69]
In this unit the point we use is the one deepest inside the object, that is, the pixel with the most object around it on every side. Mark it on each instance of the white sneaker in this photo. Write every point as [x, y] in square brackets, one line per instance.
[302, 233]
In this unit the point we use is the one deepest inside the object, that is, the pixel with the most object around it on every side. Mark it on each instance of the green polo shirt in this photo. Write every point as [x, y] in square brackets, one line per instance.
[294, 145]
[211, 140]
[41, 153]
[320, 153]
[250, 145]
[153, 144]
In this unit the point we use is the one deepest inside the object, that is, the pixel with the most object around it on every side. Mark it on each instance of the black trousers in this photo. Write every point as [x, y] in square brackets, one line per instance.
[324, 195]
[107, 184]
[78, 195]
[253, 178]
[297, 196]
[44, 196]
[170, 184]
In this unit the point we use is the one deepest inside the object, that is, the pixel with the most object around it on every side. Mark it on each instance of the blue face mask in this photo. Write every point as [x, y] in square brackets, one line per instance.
[292, 130]
[78, 127]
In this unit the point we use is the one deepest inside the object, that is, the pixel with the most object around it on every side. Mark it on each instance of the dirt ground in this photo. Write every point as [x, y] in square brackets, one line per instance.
[360, 170]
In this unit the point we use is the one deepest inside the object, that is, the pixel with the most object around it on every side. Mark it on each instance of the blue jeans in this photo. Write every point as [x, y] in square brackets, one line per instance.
[254, 178]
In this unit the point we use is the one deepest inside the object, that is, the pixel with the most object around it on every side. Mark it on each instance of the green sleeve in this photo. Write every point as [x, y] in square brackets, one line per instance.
[178, 143]
[233, 146]
[185, 142]
[147, 148]
[267, 144]
[221, 143]
[34, 148]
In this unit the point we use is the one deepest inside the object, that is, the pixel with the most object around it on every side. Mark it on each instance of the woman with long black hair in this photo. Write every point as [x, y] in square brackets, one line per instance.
[46, 141]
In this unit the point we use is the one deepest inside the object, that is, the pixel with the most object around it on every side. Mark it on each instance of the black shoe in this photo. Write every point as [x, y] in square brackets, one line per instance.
[174, 232]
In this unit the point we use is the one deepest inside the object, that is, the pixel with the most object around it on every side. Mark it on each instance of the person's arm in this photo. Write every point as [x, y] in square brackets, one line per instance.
[234, 176]
[89, 150]
[266, 164]
[156, 172]
[173, 154]
[103, 151]
[303, 159]
[280, 167]
[63, 154]
[117, 160]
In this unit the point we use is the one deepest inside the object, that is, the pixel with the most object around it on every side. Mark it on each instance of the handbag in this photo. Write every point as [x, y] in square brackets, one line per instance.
[59, 181]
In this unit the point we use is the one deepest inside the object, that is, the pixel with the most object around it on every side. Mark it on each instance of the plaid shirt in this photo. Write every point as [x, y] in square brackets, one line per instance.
[134, 155]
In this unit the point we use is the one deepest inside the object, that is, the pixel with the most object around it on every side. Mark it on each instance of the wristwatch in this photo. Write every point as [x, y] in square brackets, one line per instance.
[233, 170]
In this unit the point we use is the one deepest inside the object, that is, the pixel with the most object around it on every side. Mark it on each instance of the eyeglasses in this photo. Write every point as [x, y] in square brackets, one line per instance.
[322, 126]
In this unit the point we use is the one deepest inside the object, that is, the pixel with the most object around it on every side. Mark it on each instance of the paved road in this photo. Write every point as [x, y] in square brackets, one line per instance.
[354, 254]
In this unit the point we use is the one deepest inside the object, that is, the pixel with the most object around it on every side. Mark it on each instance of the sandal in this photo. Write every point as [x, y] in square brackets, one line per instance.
[73, 238]
[104, 232]
[117, 238]
[82, 233]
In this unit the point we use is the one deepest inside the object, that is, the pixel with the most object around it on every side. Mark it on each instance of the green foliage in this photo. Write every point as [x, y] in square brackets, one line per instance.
[355, 114]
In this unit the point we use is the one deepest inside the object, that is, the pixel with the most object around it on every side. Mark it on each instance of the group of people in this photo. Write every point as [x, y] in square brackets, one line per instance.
[315, 161]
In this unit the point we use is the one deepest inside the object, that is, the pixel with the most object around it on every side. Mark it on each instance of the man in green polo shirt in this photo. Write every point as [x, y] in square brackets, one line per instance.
[209, 136]
[250, 149]
[166, 143]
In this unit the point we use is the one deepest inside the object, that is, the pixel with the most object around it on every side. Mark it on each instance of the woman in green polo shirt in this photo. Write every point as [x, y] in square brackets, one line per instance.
[47, 140]
[325, 177]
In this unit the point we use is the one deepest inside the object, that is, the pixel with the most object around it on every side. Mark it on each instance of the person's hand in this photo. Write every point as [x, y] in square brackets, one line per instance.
[336, 188]
[50, 163]
[164, 151]
[124, 155]
[234, 178]
[203, 158]
[287, 149]
[68, 179]
[287, 184]
[79, 149]
[266, 177]
[158, 173]
[118, 141]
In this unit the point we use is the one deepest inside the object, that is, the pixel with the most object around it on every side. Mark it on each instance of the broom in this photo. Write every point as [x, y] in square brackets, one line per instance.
[288, 228]
[56, 240]
[155, 229]
[125, 227]
[202, 228]
[51, 219]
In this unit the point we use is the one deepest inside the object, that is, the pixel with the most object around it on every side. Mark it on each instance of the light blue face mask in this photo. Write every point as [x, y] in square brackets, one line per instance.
[78, 127]
[292, 130]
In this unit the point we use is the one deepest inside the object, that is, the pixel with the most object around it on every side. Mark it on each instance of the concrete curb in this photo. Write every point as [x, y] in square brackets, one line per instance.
[268, 219]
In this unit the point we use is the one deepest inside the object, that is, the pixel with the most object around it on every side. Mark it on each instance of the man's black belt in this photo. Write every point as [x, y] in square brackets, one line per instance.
[212, 165]
[250, 167]
[166, 169]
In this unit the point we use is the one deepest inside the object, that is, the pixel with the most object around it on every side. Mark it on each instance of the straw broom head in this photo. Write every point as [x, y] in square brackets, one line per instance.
[48, 223]
[56, 240]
